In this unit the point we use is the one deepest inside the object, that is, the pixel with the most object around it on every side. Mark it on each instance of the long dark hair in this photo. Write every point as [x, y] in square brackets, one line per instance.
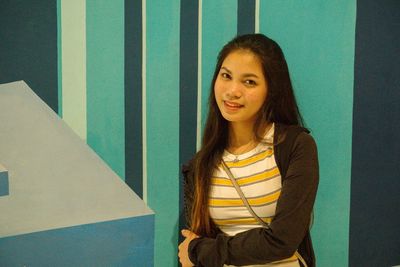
[279, 106]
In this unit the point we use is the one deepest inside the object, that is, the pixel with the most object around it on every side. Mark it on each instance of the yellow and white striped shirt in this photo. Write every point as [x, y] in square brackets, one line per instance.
[258, 176]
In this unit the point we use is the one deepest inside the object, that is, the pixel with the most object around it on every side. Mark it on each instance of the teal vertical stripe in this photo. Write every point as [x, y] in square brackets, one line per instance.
[59, 59]
[219, 24]
[162, 95]
[105, 81]
[318, 41]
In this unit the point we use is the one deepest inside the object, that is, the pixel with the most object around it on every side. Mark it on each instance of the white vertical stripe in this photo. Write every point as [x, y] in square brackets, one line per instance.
[199, 74]
[73, 65]
[257, 17]
[144, 109]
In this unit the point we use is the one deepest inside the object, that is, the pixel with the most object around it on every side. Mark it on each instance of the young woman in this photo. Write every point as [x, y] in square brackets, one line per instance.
[255, 128]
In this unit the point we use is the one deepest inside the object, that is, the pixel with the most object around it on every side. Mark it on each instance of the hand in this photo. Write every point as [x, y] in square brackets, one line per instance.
[184, 246]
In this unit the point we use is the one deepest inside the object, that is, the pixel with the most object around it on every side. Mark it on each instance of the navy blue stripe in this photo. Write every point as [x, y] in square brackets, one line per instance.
[28, 46]
[246, 16]
[133, 96]
[375, 183]
[188, 86]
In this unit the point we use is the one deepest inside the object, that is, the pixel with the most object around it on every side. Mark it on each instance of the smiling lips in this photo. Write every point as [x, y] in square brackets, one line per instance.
[232, 106]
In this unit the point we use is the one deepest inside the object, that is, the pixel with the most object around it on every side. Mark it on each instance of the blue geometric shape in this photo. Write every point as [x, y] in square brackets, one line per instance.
[125, 242]
[66, 207]
[4, 190]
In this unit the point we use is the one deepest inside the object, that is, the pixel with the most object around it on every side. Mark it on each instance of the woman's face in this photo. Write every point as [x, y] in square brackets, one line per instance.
[240, 88]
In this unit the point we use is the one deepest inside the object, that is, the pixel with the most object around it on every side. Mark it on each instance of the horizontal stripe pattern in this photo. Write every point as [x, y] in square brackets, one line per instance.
[253, 201]
[240, 221]
[258, 176]
[243, 181]
[288, 260]
[251, 160]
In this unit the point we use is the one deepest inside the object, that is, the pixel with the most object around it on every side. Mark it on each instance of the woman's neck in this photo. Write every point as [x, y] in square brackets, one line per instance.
[242, 138]
[240, 134]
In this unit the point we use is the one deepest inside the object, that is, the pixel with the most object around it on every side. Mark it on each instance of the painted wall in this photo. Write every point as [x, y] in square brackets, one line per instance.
[318, 39]
[28, 39]
[62, 195]
[375, 183]
[142, 101]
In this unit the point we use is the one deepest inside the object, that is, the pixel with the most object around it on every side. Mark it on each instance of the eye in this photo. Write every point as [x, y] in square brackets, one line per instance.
[225, 76]
[250, 82]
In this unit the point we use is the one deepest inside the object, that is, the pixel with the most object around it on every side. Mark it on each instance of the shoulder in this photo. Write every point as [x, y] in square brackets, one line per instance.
[292, 142]
[305, 140]
[304, 149]
[284, 129]
[286, 136]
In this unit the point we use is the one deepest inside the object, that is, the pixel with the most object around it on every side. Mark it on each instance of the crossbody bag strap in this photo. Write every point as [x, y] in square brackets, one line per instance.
[249, 208]
[240, 192]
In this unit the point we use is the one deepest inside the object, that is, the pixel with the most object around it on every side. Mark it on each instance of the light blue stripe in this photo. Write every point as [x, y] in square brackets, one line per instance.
[105, 81]
[162, 102]
[318, 41]
[219, 24]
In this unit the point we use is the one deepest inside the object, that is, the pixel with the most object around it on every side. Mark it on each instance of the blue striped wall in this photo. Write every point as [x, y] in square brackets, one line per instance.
[133, 96]
[318, 40]
[188, 88]
[375, 183]
[149, 67]
[246, 16]
[105, 81]
[219, 25]
[162, 116]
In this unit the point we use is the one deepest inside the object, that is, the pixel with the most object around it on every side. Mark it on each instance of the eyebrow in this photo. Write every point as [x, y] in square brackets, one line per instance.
[246, 75]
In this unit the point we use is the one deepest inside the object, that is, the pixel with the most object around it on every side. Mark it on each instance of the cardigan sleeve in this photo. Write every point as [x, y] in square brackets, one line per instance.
[287, 229]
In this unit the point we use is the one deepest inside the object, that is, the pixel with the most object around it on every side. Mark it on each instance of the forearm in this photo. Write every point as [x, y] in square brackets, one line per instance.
[256, 246]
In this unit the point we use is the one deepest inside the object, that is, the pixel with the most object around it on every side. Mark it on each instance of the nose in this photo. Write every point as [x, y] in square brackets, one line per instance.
[234, 91]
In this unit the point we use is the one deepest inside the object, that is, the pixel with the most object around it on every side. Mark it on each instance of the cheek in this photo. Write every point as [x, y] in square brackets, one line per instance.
[217, 96]
[217, 91]
[257, 99]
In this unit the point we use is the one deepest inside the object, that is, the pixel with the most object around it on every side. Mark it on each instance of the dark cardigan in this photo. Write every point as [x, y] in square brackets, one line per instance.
[297, 160]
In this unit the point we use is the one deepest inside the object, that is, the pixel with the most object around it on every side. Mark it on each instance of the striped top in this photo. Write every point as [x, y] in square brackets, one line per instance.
[258, 176]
